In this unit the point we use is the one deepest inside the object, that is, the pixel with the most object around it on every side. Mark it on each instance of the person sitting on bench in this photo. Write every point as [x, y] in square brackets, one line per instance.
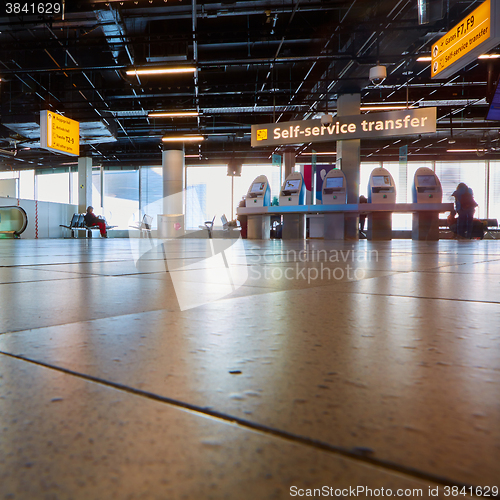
[93, 220]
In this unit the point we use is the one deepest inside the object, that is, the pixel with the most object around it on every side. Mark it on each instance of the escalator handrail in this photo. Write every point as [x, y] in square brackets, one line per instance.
[25, 225]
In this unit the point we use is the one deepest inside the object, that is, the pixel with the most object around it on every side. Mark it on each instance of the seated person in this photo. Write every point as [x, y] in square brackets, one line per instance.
[93, 220]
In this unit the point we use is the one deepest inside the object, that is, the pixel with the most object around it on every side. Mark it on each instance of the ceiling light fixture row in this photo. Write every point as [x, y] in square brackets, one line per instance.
[173, 114]
[183, 138]
[482, 56]
[162, 71]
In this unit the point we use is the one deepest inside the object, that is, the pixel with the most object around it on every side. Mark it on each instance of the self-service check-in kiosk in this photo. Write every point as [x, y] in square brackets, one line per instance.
[381, 190]
[293, 193]
[334, 192]
[426, 189]
[258, 195]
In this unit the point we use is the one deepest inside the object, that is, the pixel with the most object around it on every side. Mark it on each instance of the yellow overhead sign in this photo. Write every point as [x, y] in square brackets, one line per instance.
[472, 36]
[60, 134]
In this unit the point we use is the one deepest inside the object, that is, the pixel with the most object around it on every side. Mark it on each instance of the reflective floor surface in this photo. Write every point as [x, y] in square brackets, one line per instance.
[236, 369]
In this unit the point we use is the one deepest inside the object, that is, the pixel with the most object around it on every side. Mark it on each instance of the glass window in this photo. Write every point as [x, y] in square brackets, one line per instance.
[494, 195]
[208, 194]
[10, 174]
[151, 193]
[74, 188]
[364, 176]
[96, 189]
[27, 184]
[473, 173]
[53, 187]
[121, 197]
[209, 191]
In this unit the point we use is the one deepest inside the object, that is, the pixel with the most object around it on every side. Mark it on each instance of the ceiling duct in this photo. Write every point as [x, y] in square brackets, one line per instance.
[429, 11]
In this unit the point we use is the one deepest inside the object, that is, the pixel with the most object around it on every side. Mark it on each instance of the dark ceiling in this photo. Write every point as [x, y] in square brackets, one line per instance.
[258, 62]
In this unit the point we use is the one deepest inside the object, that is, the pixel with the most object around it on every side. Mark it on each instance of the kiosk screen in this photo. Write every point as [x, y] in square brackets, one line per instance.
[426, 180]
[258, 187]
[334, 182]
[292, 185]
[381, 180]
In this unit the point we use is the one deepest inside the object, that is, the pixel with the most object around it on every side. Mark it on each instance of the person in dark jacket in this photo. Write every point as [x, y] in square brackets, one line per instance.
[465, 206]
[93, 220]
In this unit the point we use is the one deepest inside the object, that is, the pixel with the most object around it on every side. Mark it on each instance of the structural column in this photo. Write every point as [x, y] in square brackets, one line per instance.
[171, 222]
[84, 183]
[348, 155]
[289, 161]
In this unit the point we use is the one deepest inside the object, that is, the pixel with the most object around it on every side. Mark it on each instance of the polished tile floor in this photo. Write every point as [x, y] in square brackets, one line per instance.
[197, 369]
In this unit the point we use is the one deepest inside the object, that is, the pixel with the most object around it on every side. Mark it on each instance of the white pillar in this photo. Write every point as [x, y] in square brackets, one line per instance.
[171, 222]
[348, 152]
[173, 181]
[289, 160]
[84, 183]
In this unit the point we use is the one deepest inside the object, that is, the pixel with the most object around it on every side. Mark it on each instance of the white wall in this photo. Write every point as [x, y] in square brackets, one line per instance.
[48, 215]
[8, 188]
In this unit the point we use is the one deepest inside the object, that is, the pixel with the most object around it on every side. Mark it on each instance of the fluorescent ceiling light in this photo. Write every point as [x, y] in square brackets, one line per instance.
[320, 154]
[482, 56]
[173, 114]
[465, 150]
[383, 108]
[183, 138]
[191, 156]
[161, 71]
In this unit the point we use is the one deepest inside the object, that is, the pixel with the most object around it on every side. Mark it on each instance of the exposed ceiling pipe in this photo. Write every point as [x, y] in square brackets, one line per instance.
[125, 41]
[316, 60]
[195, 61]
[91, 84]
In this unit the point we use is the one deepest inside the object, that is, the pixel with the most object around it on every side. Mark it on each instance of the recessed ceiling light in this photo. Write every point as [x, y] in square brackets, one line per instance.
[464, 150]
[384, 107]
[325, 153]
[172, 114]
[161, 71]
[183, 138]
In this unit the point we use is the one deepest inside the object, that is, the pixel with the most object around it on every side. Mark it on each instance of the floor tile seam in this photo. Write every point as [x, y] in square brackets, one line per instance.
[31, 266]
[420, 297]
[352, 454]
[119, 316]
[270, 290]
[78, 277]
[46, 280]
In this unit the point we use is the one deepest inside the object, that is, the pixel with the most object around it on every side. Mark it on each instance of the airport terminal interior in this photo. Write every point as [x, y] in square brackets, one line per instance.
[294, 290]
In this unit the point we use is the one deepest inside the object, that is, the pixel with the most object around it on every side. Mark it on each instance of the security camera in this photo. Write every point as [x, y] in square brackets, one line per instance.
[326, 119]
[378, 74]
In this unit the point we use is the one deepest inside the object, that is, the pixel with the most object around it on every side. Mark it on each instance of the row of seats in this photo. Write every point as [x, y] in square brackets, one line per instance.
[78, 223]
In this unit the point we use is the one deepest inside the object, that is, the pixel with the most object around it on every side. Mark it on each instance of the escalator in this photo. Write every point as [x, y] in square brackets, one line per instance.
[13, 221]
